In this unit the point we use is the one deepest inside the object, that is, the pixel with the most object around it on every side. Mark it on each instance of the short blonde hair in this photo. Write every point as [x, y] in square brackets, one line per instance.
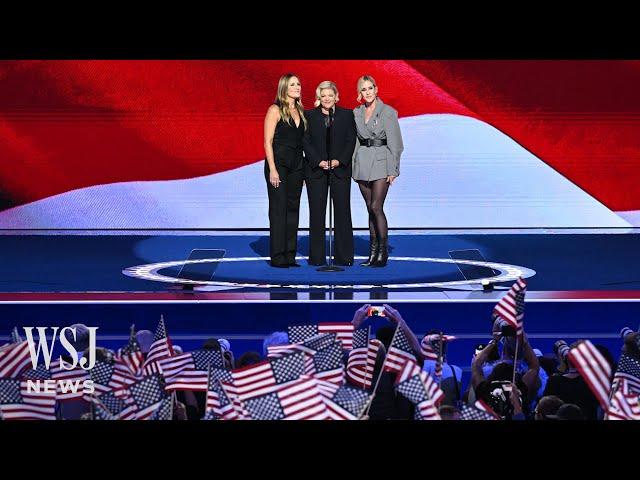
[324, 86]
[361, 80]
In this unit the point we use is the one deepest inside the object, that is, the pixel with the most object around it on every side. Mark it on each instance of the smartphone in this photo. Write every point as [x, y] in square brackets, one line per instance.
[376, 312]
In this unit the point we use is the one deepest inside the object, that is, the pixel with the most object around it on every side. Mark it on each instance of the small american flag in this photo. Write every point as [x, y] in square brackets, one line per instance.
[343, 331]
[147, 395]
[217, 400]
[309, 347]
[160, 348]
[629, 371]
[624, 406]
[231, 391]
[595, 370]
[164, 411]
[430, 345]
[190, 371]
[328, 364]
[262, 378]
[358, 360]
[478, 411]
[511, 306]
[296, 400]
[116, 408]
[17, 403]
[14, 359]
[346, 403]
[131, 354]
[112, 377]
[417, 385]
[399, 352]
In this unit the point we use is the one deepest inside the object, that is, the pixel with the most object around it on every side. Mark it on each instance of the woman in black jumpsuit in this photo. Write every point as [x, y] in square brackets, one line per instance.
[284, 129]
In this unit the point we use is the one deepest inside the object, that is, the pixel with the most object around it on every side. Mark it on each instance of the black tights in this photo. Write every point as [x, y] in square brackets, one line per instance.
[374, 194]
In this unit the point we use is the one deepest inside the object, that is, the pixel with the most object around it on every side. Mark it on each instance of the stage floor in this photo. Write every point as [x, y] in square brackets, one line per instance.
[233, 266]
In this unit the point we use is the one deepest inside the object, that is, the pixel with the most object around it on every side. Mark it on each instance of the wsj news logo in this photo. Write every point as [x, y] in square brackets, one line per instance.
[58, 382]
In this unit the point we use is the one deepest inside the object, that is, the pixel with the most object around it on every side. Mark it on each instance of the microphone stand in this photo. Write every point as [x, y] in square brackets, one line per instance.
[330, 267]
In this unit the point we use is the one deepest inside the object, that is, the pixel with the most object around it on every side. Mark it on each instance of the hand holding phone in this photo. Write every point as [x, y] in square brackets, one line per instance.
[376, 312]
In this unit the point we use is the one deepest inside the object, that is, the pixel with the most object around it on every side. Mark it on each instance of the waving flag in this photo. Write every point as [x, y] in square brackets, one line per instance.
[14, 359]
[262, 378]
[343, 331]
[511, 306]
[160, 348]
[400, 351]
[417, 385]
[296, 400]
[17, 403]
[190, 371]
[595, 370]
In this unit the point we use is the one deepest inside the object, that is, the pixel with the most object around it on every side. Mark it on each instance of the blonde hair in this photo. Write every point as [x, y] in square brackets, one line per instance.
[282, 100]
[327, 84]
[361, 80]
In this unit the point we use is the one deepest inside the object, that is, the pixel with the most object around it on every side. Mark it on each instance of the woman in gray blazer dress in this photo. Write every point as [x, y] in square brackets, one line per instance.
[376, 163]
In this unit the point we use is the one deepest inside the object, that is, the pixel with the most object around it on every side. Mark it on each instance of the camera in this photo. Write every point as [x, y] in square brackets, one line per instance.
[561, 348]
[376, 312]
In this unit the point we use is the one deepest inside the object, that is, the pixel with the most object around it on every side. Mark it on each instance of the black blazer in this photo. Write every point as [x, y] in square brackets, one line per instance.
[343, 141]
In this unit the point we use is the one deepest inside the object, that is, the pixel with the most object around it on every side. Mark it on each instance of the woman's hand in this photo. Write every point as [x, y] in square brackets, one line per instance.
[324, 164]
[335, 163]
[360, 315]
[274, 178]
[390, 179]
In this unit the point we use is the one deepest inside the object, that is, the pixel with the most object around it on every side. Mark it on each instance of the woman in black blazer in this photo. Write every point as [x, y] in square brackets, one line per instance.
[328, 146]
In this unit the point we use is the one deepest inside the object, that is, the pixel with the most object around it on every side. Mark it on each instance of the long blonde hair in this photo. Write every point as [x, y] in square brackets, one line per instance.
[282, 101]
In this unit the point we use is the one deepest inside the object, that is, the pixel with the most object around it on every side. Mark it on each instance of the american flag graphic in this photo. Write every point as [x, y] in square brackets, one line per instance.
[346, 403]
[160, 348]
[399, 352]
[328, 364]
[295, 400]
[190, 371]
[478, 411]
[511, 306]
[14, 359]
[595, 370]
[17, 403]
[217, 400]
[343, 331]
[417, 385]
[262, 378]
[629, 371]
